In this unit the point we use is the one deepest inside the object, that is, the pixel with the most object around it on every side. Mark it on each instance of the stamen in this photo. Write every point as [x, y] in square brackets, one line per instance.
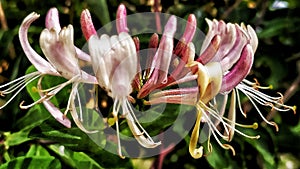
[23, 82]
[221, 119]
[264, 99]
[256, 84]
[209, 121]
[149, 142]
[118, 138]
[239, 103]
[73, 110]
[51, 94]
[224, 146]
[257, 109]
[19, 81]
[116, 108]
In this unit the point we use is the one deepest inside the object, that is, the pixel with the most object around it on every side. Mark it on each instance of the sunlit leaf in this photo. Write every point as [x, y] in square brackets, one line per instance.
[34, 162]
[75, 159]
[37, 150]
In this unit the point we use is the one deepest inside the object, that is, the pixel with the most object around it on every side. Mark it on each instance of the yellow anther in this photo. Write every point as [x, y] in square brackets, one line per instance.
[34, 89]
[255, 125]
[271, 87]
[294, 109]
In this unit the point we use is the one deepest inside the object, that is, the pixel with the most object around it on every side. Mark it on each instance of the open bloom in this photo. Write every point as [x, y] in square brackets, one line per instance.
[58, 46]
[114, 61]
[225, 60]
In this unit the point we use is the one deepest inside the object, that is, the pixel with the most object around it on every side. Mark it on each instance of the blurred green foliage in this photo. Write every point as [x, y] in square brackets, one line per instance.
[33, 139]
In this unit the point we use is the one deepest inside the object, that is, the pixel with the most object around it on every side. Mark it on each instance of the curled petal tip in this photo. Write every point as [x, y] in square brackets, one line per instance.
[87, 25]
[52, 19]
[253, 37]
[121, 21]
[39, 63]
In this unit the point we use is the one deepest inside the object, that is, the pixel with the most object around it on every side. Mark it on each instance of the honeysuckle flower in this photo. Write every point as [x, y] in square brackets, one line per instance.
[156, 76]
[58, 47]
[114, 61]
[225, 60]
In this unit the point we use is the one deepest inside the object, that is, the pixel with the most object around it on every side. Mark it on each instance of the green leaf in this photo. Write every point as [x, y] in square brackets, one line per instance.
[33, 117]
[263, 145]
[16, 138]
[21, 136]
[41, 162]
[49, 131]
[100, 8]
[75, 159]
[37, 150]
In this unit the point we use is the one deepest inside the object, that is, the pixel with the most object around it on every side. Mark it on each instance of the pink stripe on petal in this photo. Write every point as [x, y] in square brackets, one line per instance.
[190, 28]
[87, 25]
[210, 51]
[239, 71]
[52, 19]
[121, 21]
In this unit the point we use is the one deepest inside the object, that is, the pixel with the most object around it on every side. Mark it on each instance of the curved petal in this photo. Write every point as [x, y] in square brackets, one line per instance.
[39, 63]
[239, 71]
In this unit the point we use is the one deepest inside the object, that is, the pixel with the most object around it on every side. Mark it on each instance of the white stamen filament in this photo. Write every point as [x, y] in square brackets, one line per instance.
[211, 125]
[221, 119]
[73, 109]
[257, 109]
[50, 94]
[21, 83]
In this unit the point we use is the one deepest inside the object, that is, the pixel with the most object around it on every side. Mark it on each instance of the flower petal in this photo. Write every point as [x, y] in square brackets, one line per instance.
[97, 47]
[39, 63]
[60, 51]
[52, 20]
[87, 25]
[121, 22]
[239, 71]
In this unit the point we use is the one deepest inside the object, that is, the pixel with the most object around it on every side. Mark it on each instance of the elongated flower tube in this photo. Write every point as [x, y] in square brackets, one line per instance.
[114, 61]
[179, 56]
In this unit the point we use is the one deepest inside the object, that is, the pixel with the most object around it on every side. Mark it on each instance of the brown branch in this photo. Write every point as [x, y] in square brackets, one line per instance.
[230, 9]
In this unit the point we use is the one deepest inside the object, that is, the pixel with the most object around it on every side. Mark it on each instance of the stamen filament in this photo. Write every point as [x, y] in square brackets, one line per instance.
[34, 76]
[73, 110]
[215, 115]
[51, 94]
[264, 119]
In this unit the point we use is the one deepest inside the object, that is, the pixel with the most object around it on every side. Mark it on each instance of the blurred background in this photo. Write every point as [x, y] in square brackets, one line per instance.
[31, 139]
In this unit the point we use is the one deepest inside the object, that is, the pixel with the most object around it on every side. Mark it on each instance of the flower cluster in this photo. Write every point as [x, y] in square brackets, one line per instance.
[225, 59]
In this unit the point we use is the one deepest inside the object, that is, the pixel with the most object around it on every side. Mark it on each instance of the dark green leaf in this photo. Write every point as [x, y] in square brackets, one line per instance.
[75, 159]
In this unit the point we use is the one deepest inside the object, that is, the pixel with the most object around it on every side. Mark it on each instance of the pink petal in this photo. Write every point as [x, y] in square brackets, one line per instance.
[39, 63]
[121, 21]
[87, 25]
[239, 71]
[52, 19]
